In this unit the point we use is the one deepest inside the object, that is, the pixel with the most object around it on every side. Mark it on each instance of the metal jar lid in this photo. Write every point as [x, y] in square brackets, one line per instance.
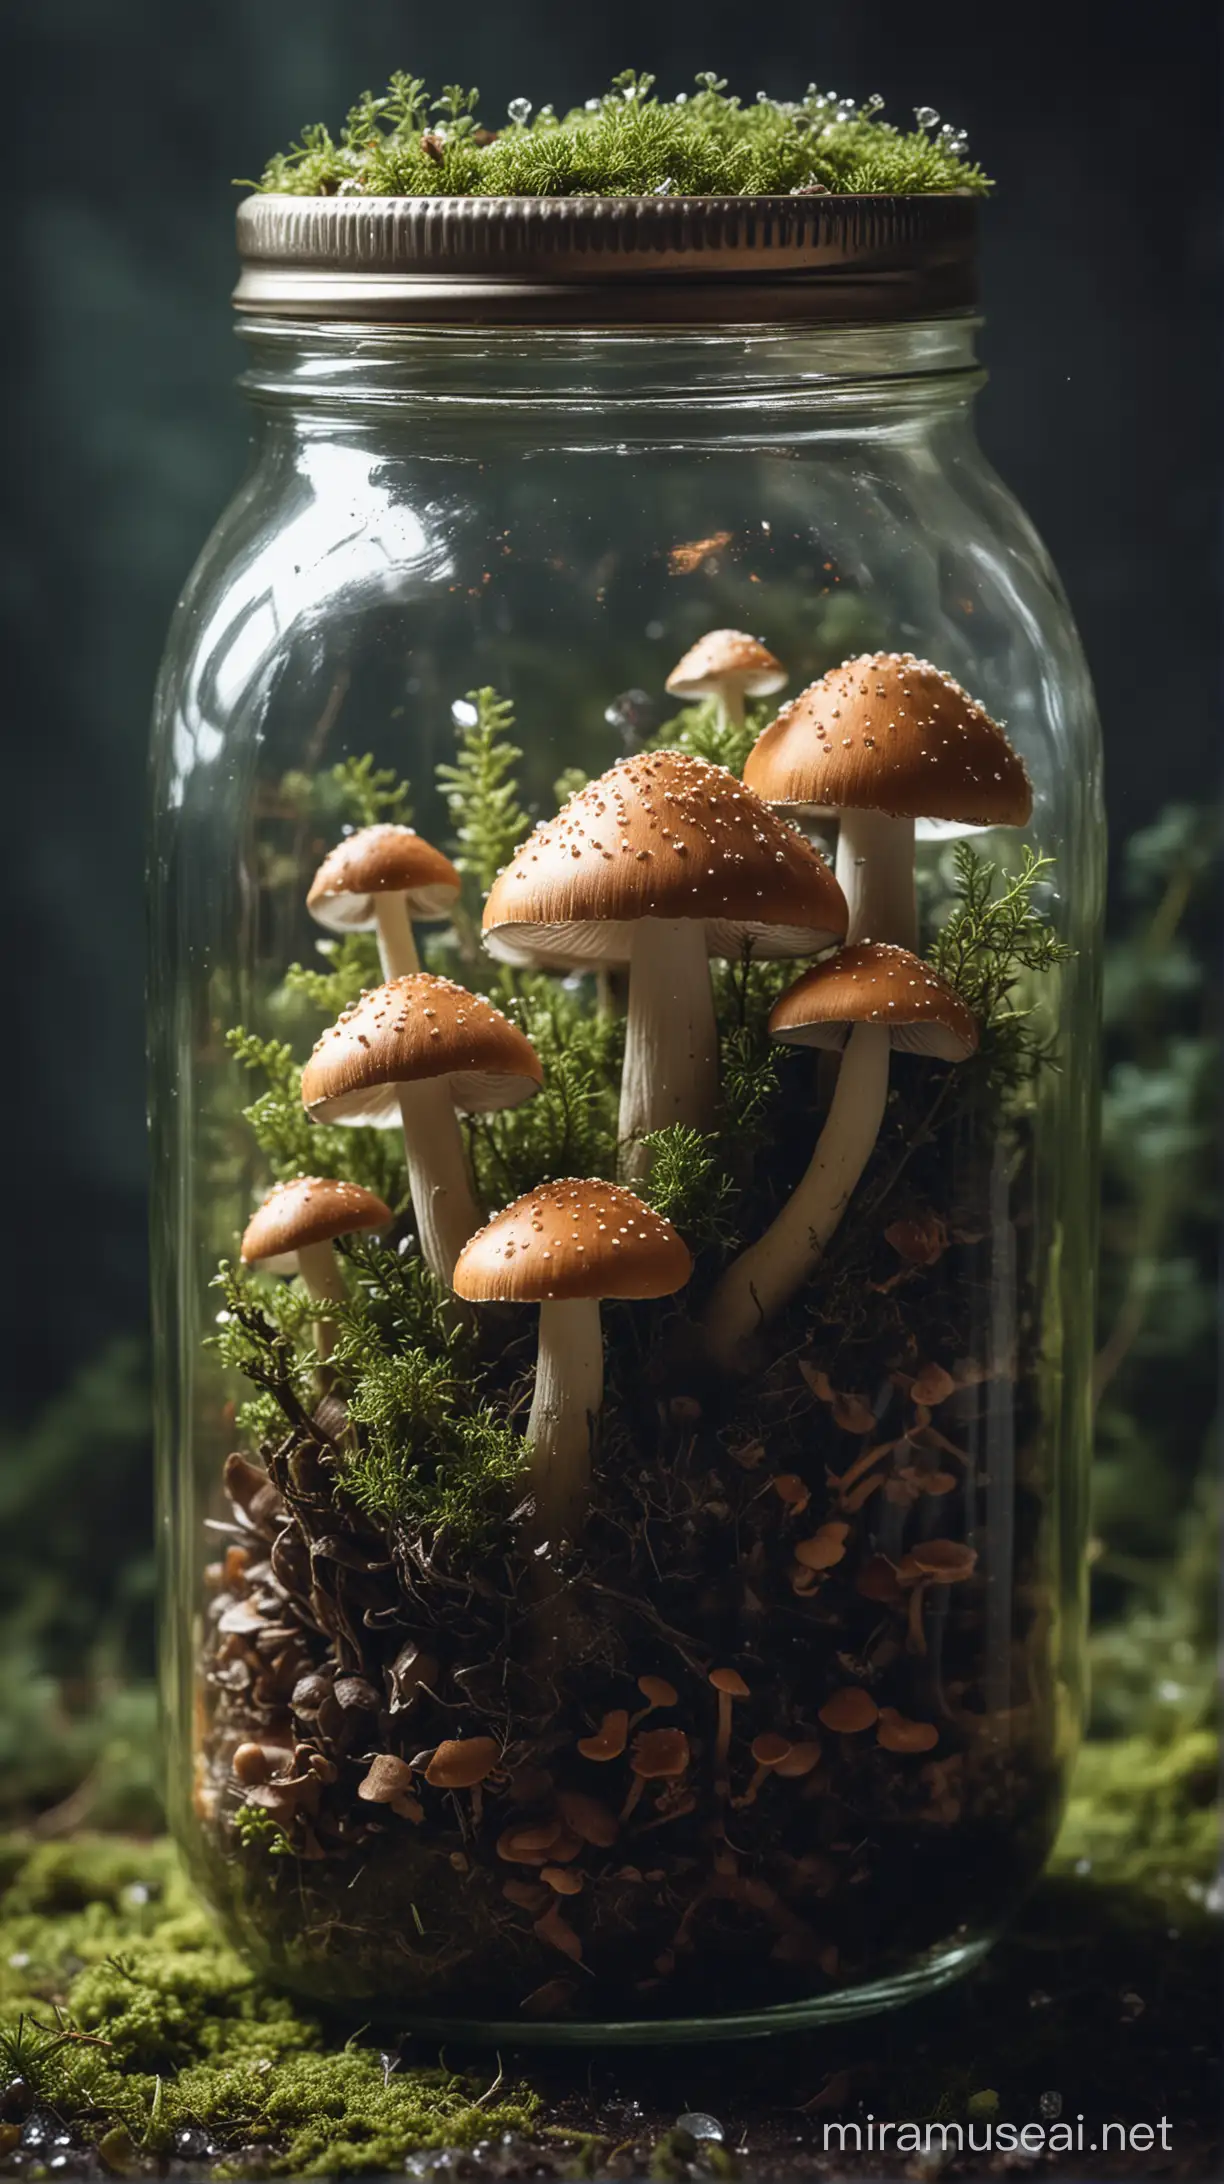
[615, 261]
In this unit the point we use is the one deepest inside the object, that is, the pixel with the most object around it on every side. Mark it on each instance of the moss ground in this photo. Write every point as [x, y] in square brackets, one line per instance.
[133, 2042]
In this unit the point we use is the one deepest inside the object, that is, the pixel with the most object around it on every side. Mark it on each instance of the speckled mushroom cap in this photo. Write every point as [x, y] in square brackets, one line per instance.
[381, 860]
[312, 1209]
[888, 732]
[722, 657]
[873, 983]
[410, 1029]
[663, 835]
[577, 1238]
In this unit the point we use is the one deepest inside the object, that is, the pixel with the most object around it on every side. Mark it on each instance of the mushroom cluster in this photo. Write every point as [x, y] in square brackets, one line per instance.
[663, 863]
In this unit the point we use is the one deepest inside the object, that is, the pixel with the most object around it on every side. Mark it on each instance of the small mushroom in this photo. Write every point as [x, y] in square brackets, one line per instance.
[933, 1385]
[661, 863]
[789, 1488]
[935, 1562]
[610, 1739]
[864, 1001]
[849, 1710]
[388, 1781]
[825, 1548]
[562, 1880]
[727, 665]
[565, 1246]
[251, 1764]
[411, 1053]
[381, 878]
[657, 1692]
[658, 1755]
[768, 1752]
[553, 1930]
[882, 741]
[462, 1763]
[921, 1241]
[730, 1686]
[528, 1845]
[294, 1230]
[895, 1734]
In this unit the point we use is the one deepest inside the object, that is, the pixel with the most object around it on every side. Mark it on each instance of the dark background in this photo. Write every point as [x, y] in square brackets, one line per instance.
[123, 437]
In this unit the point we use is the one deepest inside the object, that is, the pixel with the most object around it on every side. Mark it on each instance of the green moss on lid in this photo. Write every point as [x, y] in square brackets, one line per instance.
[627, 143]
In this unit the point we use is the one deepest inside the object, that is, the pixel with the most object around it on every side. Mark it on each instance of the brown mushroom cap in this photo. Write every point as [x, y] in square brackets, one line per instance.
[381, 860]
[948, 1561]
[825, 1548]
[895, 1733]
[609, 1740]
[574, 1238]
[849, 1710]
[730, 1683]
[872, 982]
[769, 1749]
[722, 657]
[461, 1762]
[411, 1029]
[659, 1754]
[663, 835]
[387, 1777]
[658, 1690]
[889, 732]
[312, 1209]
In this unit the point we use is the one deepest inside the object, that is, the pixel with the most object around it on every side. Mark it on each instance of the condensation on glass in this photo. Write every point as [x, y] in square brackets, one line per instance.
[662, 1614]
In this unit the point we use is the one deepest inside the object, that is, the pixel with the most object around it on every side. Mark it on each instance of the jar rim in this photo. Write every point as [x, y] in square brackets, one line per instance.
[608, 261]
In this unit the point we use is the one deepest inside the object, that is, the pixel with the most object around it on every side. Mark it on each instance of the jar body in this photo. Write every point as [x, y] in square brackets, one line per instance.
[555, 519]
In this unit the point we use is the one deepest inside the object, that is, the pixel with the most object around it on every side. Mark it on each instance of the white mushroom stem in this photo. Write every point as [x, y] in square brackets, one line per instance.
[671, 1037]
[397, 948]
[439, 1178]
[875, 871]
[758, 1284]
[321, 1278]
[731, 702]
[568, 1397]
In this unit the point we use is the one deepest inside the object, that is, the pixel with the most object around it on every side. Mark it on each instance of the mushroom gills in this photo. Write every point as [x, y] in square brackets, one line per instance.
[397, 948]
[671, 1037]
[875, 871]
[439, 1178]
[568, 1397]
[759, 1283]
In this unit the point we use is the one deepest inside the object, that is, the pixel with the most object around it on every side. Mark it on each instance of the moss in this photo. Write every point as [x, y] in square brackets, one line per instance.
[1143, 1816]
[164, 2030]
[625, 143]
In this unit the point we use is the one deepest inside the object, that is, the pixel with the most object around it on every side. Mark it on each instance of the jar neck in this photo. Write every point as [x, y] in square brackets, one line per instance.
[316, 369]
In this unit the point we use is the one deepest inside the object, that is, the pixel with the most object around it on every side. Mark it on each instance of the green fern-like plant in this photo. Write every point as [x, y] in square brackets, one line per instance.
[995, 936]
[705, 731]
[569, 1128]
[481, 792]
[352, 793]
[353, 967]
[294, 1145]
[690, 1187]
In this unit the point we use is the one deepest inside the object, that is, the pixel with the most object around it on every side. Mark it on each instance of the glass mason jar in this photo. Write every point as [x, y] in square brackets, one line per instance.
[662, 1616]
